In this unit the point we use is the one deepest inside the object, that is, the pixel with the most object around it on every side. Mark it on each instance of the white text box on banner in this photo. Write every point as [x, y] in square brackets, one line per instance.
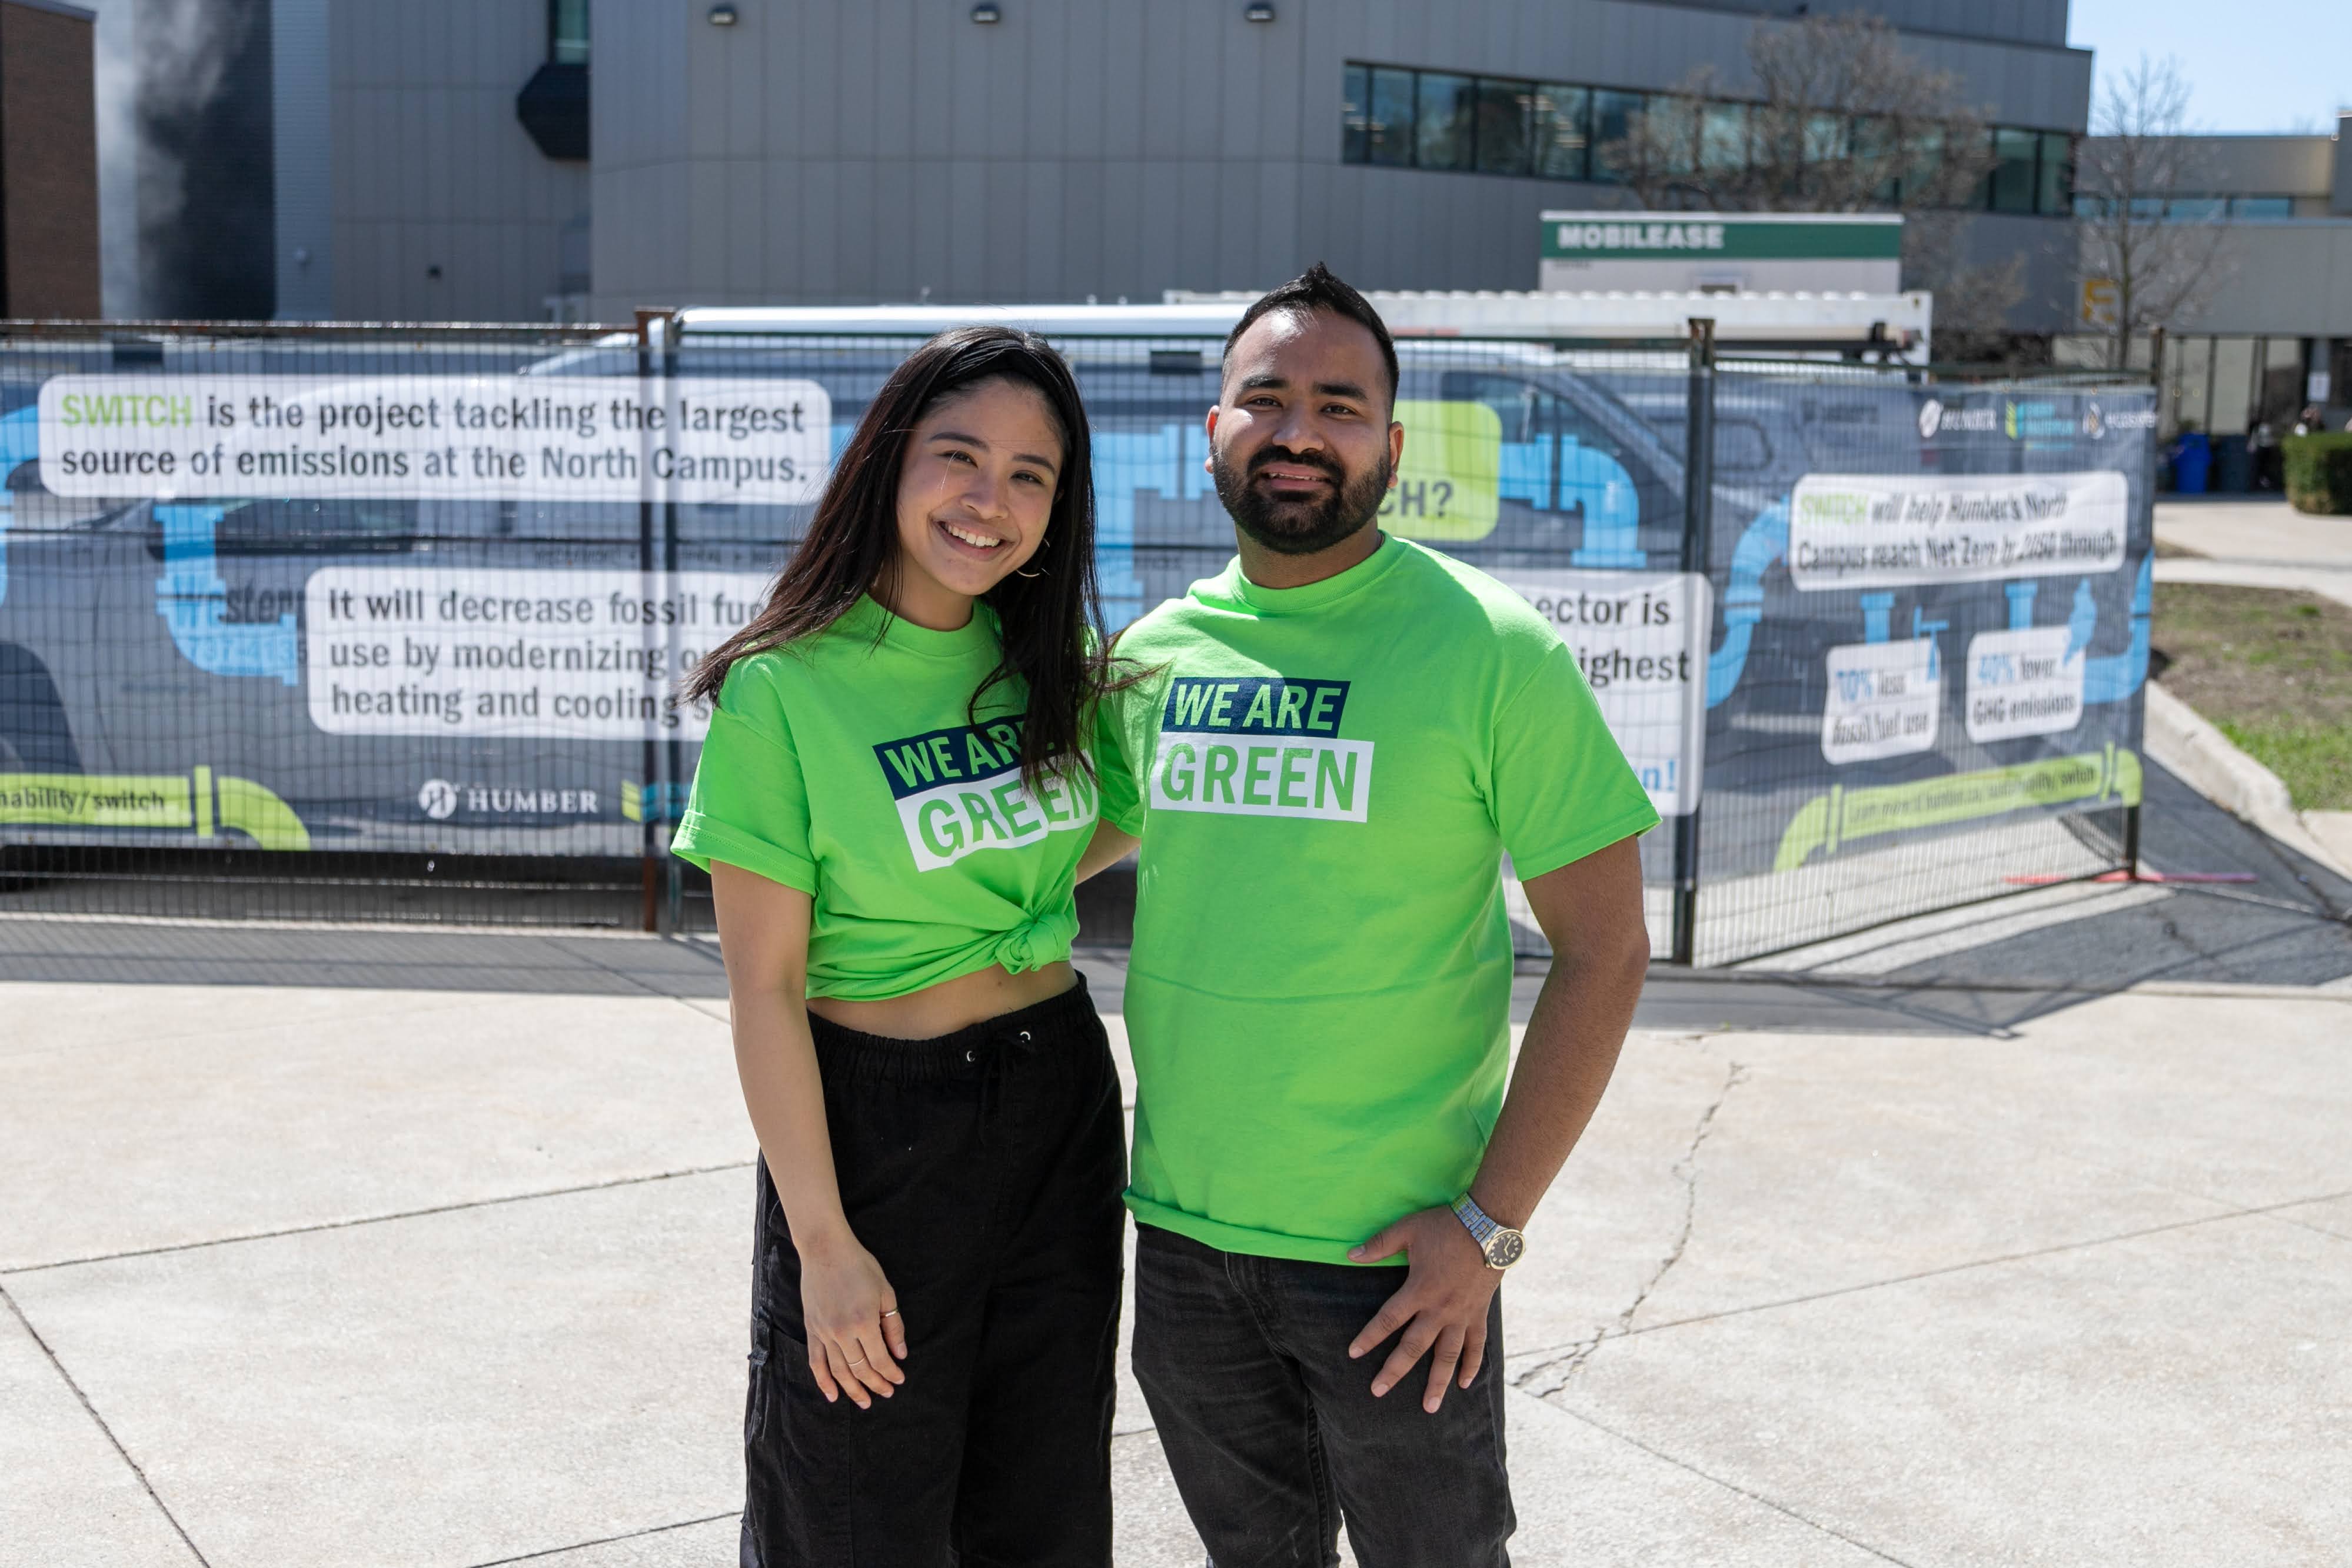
[1879, 531]
[1884, 699]
[2023, 682]
[586, 655]
[1641, 639]
[746, 441]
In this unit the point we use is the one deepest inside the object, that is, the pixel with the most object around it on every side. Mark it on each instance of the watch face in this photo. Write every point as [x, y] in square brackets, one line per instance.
[1504, 1249]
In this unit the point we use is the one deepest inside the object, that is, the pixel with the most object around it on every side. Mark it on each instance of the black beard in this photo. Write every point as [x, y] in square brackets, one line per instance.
[1300, 528]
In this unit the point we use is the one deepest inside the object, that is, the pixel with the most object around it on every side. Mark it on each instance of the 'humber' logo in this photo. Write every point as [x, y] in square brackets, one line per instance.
[960, 791]
[1259, 746]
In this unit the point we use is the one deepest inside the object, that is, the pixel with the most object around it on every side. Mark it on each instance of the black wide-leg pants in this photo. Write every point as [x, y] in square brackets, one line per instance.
[983, 1170]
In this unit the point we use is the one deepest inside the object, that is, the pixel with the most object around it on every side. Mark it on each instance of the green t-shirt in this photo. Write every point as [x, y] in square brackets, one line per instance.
[1324, 779]
[846, 766]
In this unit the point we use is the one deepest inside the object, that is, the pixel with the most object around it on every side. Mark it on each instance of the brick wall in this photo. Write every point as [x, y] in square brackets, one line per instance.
[48, 161]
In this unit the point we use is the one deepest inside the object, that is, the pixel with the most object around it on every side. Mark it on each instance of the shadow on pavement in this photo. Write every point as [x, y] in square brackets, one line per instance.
[2287, 927]
[104, 952]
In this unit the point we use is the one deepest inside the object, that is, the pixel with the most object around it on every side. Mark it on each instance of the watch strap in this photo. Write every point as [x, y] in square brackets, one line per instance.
[1474, 1219]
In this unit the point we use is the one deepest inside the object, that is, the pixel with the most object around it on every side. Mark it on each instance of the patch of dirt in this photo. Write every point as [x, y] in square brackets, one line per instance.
[2166, 550]
[2254, 655]
[2273, 671]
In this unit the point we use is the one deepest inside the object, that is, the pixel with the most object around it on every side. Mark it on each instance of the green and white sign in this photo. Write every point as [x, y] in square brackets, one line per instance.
[1745, 253]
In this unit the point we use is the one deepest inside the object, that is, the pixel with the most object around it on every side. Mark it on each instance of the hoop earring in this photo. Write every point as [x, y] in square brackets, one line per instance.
[1041, 571]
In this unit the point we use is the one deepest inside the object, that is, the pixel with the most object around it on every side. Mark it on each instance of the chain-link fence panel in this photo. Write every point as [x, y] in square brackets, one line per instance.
[386, 624]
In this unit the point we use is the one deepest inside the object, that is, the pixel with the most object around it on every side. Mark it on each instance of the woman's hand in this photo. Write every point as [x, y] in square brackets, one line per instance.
[855, 1335]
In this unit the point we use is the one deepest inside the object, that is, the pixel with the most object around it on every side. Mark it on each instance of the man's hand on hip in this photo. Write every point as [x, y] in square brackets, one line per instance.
[1442, 1304]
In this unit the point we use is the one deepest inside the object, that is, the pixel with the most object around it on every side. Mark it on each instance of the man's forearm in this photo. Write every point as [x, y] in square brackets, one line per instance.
[1573, 1037]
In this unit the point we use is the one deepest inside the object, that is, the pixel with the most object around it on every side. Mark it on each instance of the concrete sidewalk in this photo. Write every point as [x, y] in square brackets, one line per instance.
[2247, 543]
[333, 1272]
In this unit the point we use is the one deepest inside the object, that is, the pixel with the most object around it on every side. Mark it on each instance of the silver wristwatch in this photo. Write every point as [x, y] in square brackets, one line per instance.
[1502, 1245]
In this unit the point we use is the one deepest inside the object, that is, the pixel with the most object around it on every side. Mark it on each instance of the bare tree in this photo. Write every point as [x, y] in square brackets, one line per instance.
[1850, 121]
[2160, 265]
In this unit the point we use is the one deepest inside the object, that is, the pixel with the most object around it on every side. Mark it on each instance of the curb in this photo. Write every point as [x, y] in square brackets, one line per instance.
[2202, 756]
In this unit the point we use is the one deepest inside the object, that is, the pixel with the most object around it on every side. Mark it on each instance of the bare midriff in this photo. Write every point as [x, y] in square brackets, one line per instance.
[951, 1005]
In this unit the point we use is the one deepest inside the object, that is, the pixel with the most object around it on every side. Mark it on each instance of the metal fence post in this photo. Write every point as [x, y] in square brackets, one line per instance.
[673, 910]
[2154, 379]
[651, 800]
[1698, 518]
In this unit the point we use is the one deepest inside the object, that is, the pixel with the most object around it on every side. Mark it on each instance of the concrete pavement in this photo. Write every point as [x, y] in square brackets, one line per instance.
[2247, 543]
[1893, 1270]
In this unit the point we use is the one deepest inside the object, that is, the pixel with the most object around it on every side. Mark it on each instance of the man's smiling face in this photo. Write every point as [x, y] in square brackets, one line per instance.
[1301, 443]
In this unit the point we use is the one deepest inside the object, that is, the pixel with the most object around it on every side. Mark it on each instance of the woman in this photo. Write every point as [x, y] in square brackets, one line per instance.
[892, 802]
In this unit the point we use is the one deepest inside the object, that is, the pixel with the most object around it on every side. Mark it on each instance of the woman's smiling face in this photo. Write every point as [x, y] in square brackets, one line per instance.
[975, 491]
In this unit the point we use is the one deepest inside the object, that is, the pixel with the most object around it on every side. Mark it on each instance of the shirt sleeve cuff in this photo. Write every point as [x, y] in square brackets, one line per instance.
[1633, 824]
[701, 841]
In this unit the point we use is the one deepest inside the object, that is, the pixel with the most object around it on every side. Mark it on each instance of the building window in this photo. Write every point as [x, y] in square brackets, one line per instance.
[1561, 134]
[2262, 207]
[1400, 118]
[1388, 134]
[1613, 120]
[2055, 185]
[567, 32]
[1356, 115]
[1446, 108]
[2015, 157]
[1723, 138]
[1505, 117]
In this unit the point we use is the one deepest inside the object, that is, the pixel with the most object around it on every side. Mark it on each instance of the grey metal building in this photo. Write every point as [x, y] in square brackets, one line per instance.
[2269, 328]
[497, 160]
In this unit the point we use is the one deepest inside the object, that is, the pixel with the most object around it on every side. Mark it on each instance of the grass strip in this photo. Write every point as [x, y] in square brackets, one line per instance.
[2273, 670]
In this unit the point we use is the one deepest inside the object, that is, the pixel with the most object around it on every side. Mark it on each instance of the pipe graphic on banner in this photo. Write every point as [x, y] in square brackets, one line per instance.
[1641, 640]
[748, 442]
[19, 442]
[1826, 821]
[1765, 541]
[196, 801]
[1876, 531]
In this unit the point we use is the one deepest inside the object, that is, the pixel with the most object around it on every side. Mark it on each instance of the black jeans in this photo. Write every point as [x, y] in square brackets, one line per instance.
[1273, 1433]
[983, 1170]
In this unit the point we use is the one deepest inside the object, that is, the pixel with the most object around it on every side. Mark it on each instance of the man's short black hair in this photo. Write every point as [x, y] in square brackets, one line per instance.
[1319, 288]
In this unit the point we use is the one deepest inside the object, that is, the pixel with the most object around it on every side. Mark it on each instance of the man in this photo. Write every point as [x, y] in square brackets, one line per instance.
[1340, 737]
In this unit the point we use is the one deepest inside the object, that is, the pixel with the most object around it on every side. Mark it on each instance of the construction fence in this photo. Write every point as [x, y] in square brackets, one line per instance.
[385, 623]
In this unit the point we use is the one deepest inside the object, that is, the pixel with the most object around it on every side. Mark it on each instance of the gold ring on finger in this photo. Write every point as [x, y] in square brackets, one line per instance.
[859, 1362]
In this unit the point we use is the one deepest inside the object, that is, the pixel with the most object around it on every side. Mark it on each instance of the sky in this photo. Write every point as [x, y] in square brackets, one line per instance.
[2252, 65]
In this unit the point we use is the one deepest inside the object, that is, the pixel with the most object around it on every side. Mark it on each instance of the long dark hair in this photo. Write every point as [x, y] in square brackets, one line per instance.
[1051, 621]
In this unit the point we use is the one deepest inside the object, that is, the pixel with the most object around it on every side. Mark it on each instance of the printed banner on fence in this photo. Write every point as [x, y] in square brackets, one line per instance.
[1875, 531]
[591, 655]
[1641, 639]
[742, 441]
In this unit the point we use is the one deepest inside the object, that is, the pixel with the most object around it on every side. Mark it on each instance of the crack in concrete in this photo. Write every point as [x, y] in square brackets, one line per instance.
[137, 1469]
[16, 1270]
[1553, 1373]
[609, 1540]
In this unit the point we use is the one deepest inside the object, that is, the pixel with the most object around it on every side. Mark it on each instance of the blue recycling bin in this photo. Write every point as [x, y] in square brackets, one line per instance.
[2192, 462]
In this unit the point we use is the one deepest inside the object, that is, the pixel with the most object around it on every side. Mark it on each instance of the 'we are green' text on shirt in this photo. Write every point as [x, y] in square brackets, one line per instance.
[1324, 779]
[845, 765]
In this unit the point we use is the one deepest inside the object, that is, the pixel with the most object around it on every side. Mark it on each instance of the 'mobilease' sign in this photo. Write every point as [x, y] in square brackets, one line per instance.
[1815, 252]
